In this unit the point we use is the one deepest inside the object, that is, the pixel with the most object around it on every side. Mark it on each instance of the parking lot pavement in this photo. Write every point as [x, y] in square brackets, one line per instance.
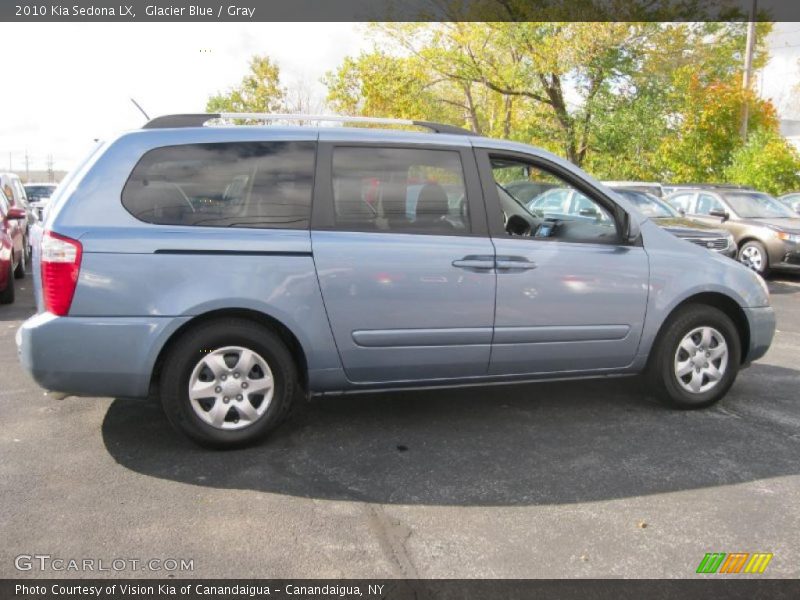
[591, 479]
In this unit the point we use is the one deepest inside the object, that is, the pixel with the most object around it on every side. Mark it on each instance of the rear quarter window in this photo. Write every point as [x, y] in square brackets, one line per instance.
[241, 184]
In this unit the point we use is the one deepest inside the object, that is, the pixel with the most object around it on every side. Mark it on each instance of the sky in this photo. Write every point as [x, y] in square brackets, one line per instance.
[780, 79]
[74, 81]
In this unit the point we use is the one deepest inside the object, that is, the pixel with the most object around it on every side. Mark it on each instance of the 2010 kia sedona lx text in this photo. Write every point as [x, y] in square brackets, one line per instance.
[235, 270]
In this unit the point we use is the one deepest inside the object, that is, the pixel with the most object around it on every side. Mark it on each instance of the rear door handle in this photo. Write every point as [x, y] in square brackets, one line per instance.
[475, 262]
[517, 263]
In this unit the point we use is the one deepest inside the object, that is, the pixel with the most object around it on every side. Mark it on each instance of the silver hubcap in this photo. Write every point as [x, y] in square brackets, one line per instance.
[751, 256]
[231, 388]
[701, 360]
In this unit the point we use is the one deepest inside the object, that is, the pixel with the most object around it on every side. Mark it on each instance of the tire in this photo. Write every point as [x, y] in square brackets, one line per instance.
[754, 255]
[670, 356]
[7, 295]
[221, 345]
[19, 272]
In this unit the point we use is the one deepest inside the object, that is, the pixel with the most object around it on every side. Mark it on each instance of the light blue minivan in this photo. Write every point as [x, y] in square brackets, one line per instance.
[234, 271]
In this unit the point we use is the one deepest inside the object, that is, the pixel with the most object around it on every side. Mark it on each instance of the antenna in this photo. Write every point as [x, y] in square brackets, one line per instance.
[141, 110]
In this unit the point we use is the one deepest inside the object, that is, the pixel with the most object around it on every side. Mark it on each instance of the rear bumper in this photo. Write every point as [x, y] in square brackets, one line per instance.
[762, 329]
[93, 356]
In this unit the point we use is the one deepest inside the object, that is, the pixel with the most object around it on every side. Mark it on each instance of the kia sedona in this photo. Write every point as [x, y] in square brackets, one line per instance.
[235, 271]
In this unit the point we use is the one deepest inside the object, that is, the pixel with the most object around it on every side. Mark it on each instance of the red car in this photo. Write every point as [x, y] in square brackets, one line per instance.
[12, 248]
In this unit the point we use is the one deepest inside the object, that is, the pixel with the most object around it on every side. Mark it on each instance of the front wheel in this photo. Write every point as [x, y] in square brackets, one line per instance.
[228, 383]
[754, 255]
[696, 359]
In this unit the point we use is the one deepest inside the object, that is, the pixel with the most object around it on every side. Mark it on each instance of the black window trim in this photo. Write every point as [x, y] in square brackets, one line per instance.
[314, 141]
[323, 213]
[494, 209]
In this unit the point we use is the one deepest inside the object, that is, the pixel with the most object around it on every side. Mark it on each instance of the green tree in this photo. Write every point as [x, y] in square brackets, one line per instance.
[768, 162]
[605, 95]
[705, 134]
[260, 91]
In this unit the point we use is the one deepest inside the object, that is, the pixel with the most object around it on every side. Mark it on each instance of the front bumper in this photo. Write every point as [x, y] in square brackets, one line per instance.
[93, 356]
[761, 322]
[790, 259]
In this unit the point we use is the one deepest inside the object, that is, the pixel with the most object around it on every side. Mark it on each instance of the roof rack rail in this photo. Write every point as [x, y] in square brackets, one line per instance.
[200, 119]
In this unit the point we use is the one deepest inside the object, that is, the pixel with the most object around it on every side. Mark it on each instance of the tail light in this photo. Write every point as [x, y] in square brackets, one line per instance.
[61, 263]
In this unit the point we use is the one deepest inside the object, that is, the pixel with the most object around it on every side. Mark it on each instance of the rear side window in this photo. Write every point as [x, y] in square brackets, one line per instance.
[399, 190]
[242, 184]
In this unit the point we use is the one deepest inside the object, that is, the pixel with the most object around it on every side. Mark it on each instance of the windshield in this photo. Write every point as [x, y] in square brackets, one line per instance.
[36, 192]
[648, 204]
[755, 205]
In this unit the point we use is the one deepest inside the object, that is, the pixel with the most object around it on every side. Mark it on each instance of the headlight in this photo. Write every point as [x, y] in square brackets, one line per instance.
[789, 237]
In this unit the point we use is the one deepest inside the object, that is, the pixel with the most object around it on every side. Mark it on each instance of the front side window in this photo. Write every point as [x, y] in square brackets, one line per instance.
[399, 190]
[241, 184]
[706, 203]
[20, 190]
[559, 211]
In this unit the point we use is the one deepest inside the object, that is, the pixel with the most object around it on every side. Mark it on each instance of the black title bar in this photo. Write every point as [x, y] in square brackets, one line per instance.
[731, 588]
[394, 10]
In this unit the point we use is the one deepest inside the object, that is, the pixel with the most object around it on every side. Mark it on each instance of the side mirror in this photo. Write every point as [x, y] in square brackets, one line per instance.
[16, 214]
[516, 225]
[717, 212]
[632, 229]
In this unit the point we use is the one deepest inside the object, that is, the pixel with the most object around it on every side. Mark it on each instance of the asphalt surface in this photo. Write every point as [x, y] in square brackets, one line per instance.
[590, 479]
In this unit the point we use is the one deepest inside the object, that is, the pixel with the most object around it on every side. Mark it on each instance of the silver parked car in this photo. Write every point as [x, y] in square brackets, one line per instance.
[792, 201]
[234, 270]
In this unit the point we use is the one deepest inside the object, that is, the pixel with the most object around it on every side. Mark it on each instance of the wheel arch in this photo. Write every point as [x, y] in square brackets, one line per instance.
[292, 342]
[718, 300]
[750, 238]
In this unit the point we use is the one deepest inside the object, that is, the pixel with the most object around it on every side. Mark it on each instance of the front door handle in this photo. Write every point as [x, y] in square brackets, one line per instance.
[518, 263]
[475, 262]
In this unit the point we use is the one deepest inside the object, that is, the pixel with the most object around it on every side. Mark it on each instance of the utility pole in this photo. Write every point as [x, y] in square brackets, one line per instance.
[50, 175]
[748, 67]
[27, 168]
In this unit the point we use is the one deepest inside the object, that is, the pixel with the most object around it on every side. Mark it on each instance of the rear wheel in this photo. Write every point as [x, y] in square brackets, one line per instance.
[754, 255]
[228, 383]
[696, 359]
[7, 295]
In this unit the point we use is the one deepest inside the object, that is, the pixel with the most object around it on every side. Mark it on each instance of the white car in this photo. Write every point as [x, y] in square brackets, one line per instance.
[39, 195]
